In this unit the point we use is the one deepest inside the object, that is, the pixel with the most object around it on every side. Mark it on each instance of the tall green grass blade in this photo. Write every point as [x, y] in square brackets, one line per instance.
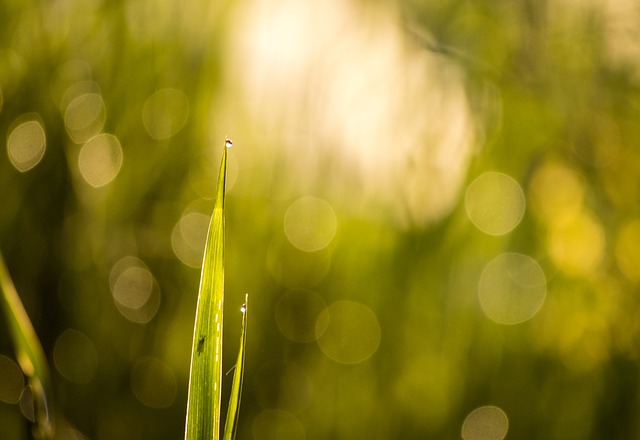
[29, 354]
[231, 424]
[205, 378]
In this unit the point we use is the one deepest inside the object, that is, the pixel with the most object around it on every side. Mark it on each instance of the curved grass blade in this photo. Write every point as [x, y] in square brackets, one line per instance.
[29, 354]
[231, 424]
[205, 378]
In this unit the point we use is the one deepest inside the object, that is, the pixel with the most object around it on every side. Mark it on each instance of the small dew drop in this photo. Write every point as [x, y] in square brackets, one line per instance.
[243, 309]
[228, 143]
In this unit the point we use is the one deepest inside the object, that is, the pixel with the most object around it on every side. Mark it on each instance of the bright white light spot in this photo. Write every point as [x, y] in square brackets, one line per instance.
[394, 119]
[75, 357]
[348, 332]
[84, 117]
[165, 113]
[228, 143]
[26, 145]
[310, 224]
[188, 238]
[485, 423]
[153, 382]
[100, 160]
[495, 203]
[512, 288]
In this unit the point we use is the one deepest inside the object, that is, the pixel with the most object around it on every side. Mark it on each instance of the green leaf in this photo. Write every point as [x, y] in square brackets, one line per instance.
[205, 379]
[29, 354]
[231, 424]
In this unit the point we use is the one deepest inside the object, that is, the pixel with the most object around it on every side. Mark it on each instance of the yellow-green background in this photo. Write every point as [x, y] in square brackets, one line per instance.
[354, 218]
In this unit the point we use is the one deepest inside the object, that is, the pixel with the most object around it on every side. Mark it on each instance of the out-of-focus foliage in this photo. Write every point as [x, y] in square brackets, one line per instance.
[29, 355]
[435, 207]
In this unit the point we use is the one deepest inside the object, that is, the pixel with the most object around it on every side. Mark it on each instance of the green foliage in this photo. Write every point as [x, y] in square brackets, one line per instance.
[376, 237]
[205, 380]
[231, 424]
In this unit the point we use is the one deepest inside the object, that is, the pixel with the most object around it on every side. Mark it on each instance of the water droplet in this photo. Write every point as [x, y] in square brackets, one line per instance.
[243, 308]
[228, 143]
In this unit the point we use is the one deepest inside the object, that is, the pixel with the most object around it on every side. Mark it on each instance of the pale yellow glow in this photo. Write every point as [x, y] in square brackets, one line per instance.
[26, 145]
[100, 160]
[485, 423]
[577, 247]
[188, 238]
[310, 224]
[134, 289]
[512, 288]
[327, 80]
[495, 203]
[84, 117]
[556, 193]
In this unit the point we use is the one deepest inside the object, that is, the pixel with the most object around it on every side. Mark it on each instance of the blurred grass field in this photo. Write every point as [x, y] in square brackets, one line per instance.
[435, 207]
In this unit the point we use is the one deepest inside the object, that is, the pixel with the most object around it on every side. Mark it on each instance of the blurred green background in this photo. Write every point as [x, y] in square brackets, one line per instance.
[434, 207]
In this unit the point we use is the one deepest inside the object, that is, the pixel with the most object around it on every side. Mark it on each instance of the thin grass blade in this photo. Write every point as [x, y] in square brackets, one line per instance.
[29, 354]
[231, 424]
[205, 378]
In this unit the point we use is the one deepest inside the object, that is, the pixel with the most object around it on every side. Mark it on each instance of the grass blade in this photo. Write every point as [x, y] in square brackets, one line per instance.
[29, 354]
[231, 424]
[205, 378]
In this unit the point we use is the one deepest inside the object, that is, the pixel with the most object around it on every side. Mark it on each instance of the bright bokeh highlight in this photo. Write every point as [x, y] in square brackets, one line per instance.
[577, 247]
[512, 288]
[134, 289]
[485, 423]
[100, 160]
[495, 203]
[26, 145]
[556, 192]
[85, 116]
[310, 224]
[348, 332]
